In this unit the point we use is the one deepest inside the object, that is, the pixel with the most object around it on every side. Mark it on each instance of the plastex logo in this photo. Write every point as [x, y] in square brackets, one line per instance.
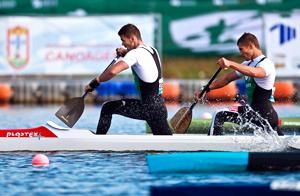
[286, 33]
[17, 46]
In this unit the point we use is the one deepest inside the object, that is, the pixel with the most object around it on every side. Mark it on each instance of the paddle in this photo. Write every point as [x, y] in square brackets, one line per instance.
[181, 121]
[71, 111]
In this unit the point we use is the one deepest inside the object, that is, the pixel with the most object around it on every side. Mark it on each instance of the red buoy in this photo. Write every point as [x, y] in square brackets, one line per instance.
[40, 160]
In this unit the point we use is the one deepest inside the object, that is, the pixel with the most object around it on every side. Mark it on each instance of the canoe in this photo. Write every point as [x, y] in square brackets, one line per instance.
[286, 125]
[191, 162]
[51, 137]
[201, 126]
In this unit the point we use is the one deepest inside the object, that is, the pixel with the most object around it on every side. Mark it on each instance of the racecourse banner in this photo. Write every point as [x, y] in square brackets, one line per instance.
[283, 43]
[65, 45]
[215, 32]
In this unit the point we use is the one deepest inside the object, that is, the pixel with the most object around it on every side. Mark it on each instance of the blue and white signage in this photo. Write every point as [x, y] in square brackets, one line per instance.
[282, 35]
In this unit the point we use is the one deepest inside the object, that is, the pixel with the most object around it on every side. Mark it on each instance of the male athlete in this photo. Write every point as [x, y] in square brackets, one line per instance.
[259, 73]
[145, 64]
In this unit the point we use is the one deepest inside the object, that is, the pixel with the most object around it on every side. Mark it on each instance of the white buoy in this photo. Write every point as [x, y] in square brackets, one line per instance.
[206, 115]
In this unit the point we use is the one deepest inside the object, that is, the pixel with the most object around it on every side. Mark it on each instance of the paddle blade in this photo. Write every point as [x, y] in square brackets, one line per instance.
[71, 111]
[181, 121]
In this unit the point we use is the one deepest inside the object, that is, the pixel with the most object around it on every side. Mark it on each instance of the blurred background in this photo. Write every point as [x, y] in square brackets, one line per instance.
[50, 49]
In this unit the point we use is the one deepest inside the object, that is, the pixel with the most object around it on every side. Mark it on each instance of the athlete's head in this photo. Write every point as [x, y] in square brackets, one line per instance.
[247, 39]
[130, 36]
[249, 46]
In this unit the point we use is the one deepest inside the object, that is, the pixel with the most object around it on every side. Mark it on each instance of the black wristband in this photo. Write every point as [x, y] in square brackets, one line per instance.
[94, 83]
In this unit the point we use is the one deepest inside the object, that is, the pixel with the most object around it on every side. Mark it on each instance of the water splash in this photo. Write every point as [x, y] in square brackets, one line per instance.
[265, 137]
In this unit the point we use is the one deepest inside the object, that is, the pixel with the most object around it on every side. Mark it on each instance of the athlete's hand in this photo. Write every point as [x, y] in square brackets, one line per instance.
[88, 89]
[223, 63]
[197, 93]
[121, 52]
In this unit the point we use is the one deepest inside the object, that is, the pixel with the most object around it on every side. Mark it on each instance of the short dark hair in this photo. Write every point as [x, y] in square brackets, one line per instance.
[248, 38]
[129, 30]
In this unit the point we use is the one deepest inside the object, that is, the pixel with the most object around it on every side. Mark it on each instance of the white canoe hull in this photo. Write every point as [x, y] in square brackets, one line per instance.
[85, 140]
[129, 143]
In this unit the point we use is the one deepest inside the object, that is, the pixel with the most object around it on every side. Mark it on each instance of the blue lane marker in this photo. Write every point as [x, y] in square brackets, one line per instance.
[198, 162]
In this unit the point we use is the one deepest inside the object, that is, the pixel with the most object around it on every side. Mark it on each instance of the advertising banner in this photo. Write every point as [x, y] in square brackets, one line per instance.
[215, 32]
[283, 43]
[65, 45]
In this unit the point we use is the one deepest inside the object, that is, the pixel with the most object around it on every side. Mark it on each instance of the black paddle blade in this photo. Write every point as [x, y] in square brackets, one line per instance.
[71, 111]
[181, 121]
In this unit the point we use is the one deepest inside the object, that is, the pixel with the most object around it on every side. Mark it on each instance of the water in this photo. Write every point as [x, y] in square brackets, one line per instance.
[75, 173]
[98, 173]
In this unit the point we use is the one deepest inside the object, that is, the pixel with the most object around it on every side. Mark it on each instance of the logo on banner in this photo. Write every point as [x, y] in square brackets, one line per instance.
[18, 46]
[286, 33]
